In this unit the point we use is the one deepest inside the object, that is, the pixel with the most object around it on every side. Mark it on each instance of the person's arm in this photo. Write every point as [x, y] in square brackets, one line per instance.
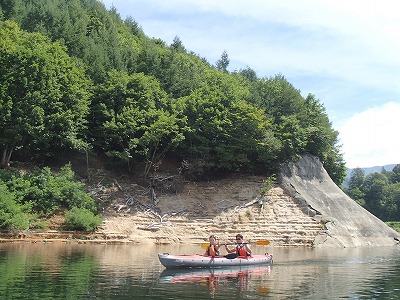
[206, 253]
[247, 248]
[217, 246]
[228, 249]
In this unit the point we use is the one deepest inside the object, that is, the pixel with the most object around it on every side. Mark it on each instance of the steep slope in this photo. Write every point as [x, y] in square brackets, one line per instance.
[347, 223]
[305, 209]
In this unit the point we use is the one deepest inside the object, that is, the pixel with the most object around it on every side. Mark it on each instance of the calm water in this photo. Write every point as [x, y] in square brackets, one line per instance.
[65, 271]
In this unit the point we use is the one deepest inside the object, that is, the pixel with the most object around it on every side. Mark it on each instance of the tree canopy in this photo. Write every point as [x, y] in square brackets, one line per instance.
[44, 94]
[378, 192]
[66, 64]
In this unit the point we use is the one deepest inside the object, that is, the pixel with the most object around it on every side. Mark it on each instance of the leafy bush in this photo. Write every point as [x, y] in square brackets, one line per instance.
[81, 219]
[47, 192]
[267, 184]
[12, 214]
[44, 192]
[68, 192]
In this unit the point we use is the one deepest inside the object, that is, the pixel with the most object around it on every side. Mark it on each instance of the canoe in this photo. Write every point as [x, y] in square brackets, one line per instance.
[201, 261]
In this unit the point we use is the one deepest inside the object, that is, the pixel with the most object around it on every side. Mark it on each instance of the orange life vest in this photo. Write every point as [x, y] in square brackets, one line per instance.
[211, 251]
[240, 250]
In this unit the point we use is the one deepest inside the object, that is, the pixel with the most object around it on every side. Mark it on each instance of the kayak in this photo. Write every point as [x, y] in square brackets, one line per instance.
[201, 261]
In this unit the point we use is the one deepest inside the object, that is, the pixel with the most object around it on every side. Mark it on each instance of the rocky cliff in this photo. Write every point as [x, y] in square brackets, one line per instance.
[305, 209]
[347, 223]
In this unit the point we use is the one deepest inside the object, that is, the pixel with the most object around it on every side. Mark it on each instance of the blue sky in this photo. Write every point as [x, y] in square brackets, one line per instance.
[346, 53]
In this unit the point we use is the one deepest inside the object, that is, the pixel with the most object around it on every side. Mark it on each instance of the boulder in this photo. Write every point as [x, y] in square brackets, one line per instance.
[347, 223]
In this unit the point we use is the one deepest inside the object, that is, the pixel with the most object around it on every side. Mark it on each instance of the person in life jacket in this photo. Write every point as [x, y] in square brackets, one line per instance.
[241, 248]
[213, 248]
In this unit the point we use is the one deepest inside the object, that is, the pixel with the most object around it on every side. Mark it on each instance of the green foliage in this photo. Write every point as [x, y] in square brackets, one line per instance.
[334, 164]
[374, 185]
[301, 125]
[151, 100]
[12, 214]
[394, 176]
[377, 192]
[46, 192]
[177, 45]
[81, 219]
[224, 131]
[267, 185]
[44, 96]
[391, 201]
[394, 225]
[131, 117]
[223, 63]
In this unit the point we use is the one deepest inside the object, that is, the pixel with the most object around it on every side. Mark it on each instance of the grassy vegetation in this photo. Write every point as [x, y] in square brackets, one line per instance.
[394, 225]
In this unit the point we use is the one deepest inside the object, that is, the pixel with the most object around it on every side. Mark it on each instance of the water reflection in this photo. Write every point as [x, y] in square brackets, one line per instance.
[214, 279]
[42, 272]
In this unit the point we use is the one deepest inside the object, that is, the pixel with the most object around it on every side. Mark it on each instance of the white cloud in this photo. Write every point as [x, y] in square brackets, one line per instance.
[371, 138]
[351, 40]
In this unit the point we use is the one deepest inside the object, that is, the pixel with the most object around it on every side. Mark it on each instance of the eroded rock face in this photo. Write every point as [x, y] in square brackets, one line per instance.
[347, 223]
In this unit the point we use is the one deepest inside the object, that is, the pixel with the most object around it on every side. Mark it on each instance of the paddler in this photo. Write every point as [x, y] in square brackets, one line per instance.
[213, 248]
[241, 248]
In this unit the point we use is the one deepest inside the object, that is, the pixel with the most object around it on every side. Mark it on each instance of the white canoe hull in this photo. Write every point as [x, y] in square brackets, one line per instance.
[200, 261]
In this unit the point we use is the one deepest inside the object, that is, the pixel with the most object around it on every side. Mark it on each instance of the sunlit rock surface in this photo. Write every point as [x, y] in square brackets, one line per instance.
[347, 223]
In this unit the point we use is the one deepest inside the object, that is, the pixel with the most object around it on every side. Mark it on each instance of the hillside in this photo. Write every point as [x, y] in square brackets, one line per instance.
[135, 99]
[305, 209]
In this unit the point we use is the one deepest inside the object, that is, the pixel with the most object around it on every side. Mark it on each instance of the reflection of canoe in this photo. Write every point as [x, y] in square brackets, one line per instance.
[198, 274]
[200, 261]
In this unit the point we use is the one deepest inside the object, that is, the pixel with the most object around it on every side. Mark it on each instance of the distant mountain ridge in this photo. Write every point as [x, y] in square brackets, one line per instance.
[367, 171]
[373, 169]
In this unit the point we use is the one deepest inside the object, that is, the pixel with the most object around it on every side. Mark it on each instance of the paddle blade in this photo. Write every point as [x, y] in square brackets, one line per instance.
[262, 242]
[205, 245]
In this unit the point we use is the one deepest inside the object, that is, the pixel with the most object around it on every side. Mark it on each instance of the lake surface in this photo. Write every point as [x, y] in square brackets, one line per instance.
[81, 271]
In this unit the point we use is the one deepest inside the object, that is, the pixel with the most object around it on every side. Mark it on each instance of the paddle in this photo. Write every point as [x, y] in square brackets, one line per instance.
[259, 242]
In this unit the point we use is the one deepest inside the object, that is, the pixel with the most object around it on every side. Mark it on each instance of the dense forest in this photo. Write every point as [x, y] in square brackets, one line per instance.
[378, 192]
[76, 78]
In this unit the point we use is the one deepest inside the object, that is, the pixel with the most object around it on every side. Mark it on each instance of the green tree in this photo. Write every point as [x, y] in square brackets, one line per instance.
[395, 174]
[248, 73]
[180, 73]
[226, 133]
[177, 45]
[374, 185]
[44, 95]
[223, 63]
[97, 36]
[335, 164]
[391, 202]
[292, 137]
[132, 118]
[357, 178]
[46, 192]
[356, 186]
[302, 125]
